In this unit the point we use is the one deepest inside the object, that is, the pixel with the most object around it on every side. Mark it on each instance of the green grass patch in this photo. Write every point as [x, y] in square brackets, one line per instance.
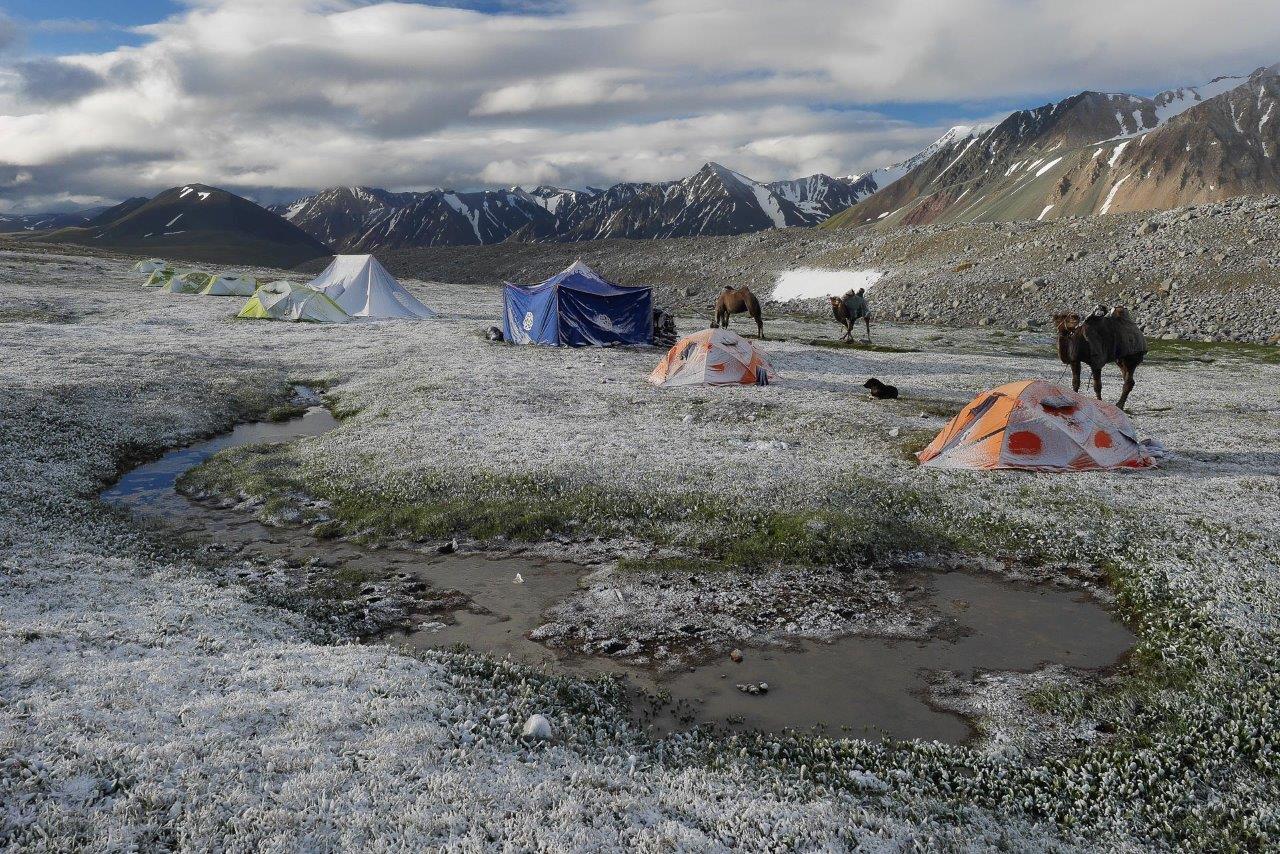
[837, 344]
[285, 412]
[911, 442]
[868, 516]
[1159, 350]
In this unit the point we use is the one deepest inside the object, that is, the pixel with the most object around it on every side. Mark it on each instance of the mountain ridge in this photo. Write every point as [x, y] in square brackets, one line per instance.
[195, 222]
[1095, 153]
[715, 200]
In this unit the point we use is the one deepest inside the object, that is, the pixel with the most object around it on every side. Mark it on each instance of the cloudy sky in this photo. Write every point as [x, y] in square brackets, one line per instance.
[103, 100]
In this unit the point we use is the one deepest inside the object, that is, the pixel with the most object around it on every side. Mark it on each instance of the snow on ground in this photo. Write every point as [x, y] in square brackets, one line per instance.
[811, 283]
[146, 699]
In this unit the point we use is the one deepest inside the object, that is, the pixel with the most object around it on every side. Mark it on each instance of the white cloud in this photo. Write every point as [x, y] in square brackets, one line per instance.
[298, 94]
[565, 90]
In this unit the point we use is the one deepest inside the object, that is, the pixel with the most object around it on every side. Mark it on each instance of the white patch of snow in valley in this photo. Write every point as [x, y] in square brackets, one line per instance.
[473, 217]
[1111, 196]
[812, 283]
[967, 146]
[1178, 101]
[1115, 154]
[1045, 168]
[1046, 210]
[769, 204]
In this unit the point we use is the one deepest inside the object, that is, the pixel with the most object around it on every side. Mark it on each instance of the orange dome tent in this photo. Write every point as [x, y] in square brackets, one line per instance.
[1036, 426]
[712, 357]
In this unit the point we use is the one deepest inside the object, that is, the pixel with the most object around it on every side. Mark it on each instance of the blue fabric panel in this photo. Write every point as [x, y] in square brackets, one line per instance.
[530, 315]
[591, 319]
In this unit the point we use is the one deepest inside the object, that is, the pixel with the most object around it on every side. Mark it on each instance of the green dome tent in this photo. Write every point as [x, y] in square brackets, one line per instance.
[228, 285]
[158, 278]
[189, 282]
[287, 301]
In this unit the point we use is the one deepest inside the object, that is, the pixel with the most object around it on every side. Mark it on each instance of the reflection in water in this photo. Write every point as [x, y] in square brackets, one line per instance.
[862, 686]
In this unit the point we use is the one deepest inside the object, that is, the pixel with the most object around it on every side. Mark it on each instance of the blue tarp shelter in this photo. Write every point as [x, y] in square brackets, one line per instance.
[577, 308]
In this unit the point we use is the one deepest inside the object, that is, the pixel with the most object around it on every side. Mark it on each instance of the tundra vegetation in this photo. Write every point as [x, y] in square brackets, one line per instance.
[148, 697]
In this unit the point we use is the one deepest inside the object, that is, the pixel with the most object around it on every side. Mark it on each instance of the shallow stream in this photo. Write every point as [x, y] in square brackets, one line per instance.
[863, 686]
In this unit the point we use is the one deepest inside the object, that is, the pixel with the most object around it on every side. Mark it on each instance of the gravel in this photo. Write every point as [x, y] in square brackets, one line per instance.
[1204, 272]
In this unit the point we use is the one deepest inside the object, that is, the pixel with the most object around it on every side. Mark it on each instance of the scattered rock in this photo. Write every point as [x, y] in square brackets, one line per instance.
[538, 727]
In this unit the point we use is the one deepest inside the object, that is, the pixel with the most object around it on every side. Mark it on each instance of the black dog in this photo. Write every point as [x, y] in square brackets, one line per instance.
[880, 391]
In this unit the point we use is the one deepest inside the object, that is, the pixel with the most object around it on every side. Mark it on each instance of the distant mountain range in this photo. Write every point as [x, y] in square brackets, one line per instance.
[1092, 153]
[11, 223]
[198, 223]
[1096, 153]
[714, 200]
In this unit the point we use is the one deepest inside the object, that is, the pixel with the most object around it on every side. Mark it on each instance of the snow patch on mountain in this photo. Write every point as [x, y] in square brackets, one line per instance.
[886, 175]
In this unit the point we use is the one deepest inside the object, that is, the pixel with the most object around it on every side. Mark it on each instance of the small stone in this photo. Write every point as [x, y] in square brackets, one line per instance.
[538, 727]
[736, 656]
[894, 432]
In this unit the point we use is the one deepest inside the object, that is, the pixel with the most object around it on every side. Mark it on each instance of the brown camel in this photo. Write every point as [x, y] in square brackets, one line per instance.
[736, 301]
[1104, 336]
[849, 309]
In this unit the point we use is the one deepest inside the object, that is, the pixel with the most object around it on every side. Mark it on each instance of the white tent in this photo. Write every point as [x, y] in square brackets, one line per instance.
[149, 266]
[364, 288]
[227, 285]
[287, 301]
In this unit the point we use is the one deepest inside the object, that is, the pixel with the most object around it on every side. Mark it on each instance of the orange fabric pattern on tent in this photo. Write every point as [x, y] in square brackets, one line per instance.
[1036, 426]
[712, 357]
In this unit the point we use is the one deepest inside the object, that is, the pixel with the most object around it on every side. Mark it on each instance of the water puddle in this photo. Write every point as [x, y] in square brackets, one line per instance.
[860, 686]
[149, 487]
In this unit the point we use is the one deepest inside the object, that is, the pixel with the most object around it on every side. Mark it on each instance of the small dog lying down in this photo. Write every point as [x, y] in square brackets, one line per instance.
[880, 391]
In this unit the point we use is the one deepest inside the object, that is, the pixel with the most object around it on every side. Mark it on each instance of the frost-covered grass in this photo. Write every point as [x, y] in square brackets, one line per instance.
[146, 699]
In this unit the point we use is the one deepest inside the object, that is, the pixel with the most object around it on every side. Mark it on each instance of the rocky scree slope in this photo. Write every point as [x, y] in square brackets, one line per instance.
[1096, 153]
[1206, 271]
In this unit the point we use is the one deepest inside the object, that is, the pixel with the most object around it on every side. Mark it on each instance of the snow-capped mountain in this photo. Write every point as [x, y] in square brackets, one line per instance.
[880, 178]
[821, 196]
[200, 223]
[364, 218]
[714, 200]
[1095, 153]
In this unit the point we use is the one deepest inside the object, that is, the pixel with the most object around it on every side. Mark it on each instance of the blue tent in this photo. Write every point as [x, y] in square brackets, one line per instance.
[577, 308]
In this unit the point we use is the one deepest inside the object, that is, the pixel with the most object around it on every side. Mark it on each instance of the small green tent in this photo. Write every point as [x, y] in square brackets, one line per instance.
[159, 278]
[287, 301]
[189, 282]
[228, 285]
